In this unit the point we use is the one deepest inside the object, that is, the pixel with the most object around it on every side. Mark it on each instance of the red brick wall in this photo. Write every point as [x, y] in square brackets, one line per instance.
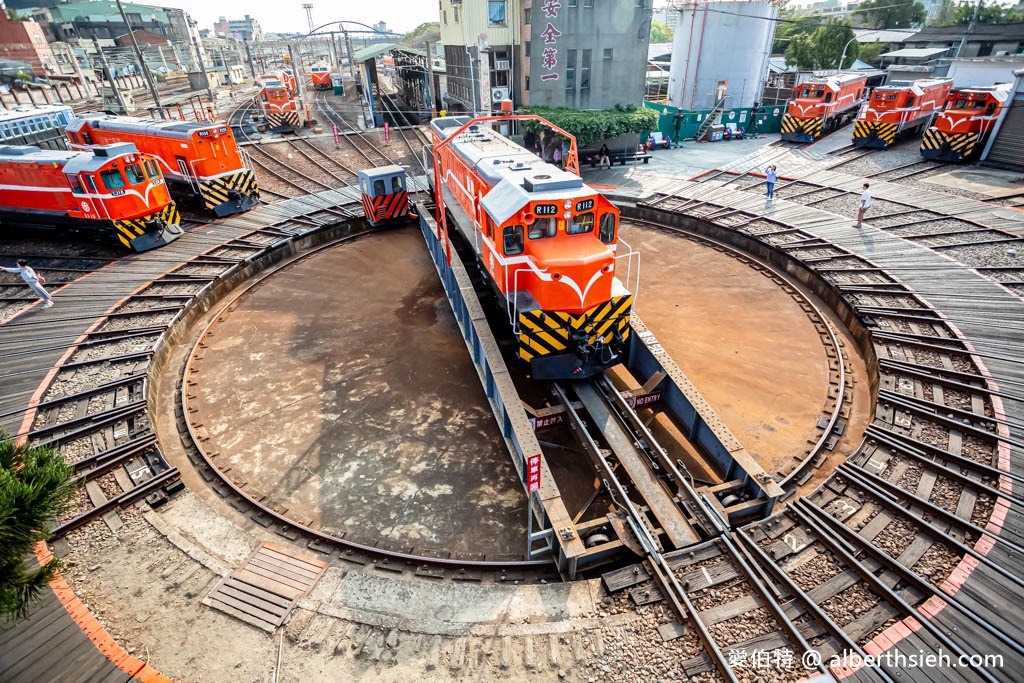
[25, 41]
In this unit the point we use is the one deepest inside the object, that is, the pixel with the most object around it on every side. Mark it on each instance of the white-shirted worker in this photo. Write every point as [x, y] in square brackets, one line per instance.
[865, 204]
[32, 280]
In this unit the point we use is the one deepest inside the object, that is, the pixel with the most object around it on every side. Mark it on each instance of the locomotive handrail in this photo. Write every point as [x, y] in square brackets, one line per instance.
[572, 164]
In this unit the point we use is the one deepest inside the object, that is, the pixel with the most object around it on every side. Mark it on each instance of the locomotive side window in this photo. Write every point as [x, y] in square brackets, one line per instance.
[607, 230]
[910, 101]
[134, 173]
[76, 187]
[112, 180]
[581, 223]
[542, 227]
[396, 184]
[151, 169]
[86, 137]
[828, 97]
[991, 109]
[89, 183]
[378, 188]
[513, 238]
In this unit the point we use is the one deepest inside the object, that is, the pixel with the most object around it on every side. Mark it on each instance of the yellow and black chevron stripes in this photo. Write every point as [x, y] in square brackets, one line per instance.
[130, 228]
[285, 118]
[545, 332]
[803, 130]
[215, 191]
[874, 133]
[937, 144]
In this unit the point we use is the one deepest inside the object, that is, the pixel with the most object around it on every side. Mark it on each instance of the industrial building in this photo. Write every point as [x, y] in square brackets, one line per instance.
[573, 53]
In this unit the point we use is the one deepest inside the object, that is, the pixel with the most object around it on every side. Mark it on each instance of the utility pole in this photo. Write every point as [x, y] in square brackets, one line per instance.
[970, 30]
[252, 67]
[428, 77]
[202, 67]
[298, 85]
[351, 56]
[142, 62]
[110, 77]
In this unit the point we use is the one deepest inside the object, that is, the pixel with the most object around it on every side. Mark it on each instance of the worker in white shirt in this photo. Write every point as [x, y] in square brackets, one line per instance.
[865, 204]
[34, 281]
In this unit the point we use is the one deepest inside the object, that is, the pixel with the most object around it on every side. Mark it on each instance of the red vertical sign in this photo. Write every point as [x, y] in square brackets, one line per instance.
[533, 473]
[334, 126]
[387, 132]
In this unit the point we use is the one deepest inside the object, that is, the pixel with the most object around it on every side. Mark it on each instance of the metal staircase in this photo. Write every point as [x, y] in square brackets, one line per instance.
[713, 117]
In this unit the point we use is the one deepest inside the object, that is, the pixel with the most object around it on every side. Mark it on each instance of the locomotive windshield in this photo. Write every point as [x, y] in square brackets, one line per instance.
[134, 173]
[112, 179]
[581, 223]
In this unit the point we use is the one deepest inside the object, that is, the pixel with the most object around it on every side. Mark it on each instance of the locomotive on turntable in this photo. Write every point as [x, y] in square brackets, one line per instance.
[961, 129]
[201, 161]
[548, 242]
[820, 106]
[111, 191]
[899, 110]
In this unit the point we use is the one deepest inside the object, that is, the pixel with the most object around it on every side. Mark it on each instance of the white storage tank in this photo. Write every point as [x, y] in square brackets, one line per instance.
[720, 47]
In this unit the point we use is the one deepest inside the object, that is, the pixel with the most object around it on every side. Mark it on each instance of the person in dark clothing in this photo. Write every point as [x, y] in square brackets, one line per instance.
[604, 158]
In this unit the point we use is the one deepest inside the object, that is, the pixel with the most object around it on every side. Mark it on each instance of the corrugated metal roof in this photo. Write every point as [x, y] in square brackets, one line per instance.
[883, 35]
[916, 52]
[374, 51]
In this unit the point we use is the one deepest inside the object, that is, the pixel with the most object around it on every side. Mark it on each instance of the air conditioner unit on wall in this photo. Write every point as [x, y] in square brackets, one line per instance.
[499, 94]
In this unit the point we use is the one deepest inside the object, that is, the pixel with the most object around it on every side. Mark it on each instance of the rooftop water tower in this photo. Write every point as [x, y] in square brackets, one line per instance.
[721, 48]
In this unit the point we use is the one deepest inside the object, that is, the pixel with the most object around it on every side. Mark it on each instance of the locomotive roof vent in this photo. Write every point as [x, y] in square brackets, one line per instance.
[115, 149]
[559, 180]
[18, 150]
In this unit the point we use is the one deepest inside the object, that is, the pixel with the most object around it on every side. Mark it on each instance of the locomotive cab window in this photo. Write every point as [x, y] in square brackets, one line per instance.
[542, 227]
[818, 94]
[513, 239]
[828, 97]
[86, 138]
[607, 230]
[151, 169]
[76, 187]
[112, 180]
[378, 188]
[581, 223]
[396, 184]
[980, 104]
[90, 184]
[910, 101]
[807, 93]
[991, 109]
[134, 173]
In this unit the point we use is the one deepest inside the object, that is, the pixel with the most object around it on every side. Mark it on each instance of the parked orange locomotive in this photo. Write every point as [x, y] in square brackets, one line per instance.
[548, 242]
[112, 190]
[961, 129]
[320, 75]
[820, 106]
[199, 160]
[278, 107]
[899, 110]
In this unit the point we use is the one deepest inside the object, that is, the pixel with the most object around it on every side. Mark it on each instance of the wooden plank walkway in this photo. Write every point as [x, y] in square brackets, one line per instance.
[32, 343]
[984, 313]
[50, 645]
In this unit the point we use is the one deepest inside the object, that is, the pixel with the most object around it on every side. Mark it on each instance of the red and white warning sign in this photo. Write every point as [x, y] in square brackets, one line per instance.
[533, 473]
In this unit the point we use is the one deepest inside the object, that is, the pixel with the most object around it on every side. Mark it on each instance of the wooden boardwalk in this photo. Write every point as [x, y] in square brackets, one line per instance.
[50, 645]
[990, 319]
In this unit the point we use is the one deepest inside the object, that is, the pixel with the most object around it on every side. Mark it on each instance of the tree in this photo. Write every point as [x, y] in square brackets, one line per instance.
[661, 32]
[429, 31]
[823, 48]
[35, 488]
[791, 24]
[945, 15]
[589, 126]
[870, 52]
[890, 13]
[987, 14]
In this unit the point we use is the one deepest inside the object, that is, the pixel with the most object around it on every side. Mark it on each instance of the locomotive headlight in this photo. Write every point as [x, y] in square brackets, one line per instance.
[567, 204]
[567, 215]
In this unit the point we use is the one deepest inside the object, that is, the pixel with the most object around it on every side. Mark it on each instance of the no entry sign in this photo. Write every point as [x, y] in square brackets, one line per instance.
[533, 473]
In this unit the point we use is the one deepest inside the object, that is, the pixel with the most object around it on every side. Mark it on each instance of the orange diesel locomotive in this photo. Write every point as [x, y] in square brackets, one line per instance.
[961, 128]
[895, 110]
[111, 190]
[320, 74]
[279, 108]
[199, 160]
[820, 106]
[548, 242]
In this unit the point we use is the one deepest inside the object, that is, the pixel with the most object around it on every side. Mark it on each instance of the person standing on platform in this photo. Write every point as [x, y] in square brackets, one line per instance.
[770, 176]
[33, 280]
[865, 204]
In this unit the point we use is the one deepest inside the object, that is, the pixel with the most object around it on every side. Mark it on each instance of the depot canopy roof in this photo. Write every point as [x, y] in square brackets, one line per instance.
[374, 51]
[917, 52]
